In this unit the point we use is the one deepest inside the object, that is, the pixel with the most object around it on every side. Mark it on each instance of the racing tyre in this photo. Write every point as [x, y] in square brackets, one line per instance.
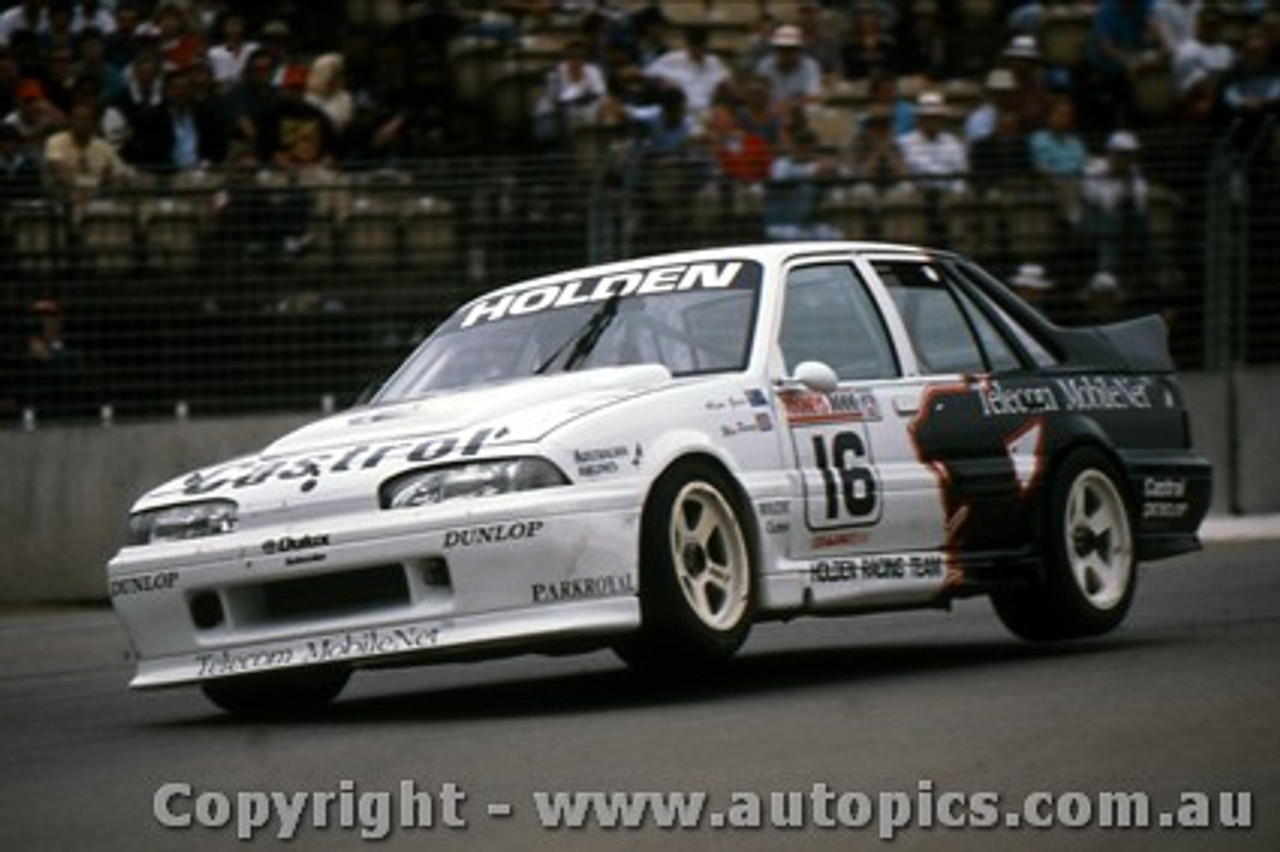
[1090, 567]
[278, 695]
[697, 577]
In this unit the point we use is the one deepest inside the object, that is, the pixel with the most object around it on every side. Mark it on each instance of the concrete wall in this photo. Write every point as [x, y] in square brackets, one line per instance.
[65, 492]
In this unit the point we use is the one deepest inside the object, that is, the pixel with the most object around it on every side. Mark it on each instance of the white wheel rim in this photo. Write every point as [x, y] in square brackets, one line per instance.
[1098, 541]
[710, 556]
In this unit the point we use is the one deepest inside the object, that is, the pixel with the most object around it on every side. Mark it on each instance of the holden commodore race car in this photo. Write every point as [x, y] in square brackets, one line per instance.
[652, 455]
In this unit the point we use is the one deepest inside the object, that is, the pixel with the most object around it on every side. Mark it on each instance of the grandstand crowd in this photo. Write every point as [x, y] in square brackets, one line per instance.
[814, 119]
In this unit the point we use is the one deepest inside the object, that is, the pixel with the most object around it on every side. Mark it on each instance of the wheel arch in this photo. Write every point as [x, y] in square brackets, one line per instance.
[738, 495]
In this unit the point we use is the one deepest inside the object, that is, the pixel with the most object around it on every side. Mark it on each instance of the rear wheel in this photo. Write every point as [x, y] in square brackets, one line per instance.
[1090, 567]
[697, 581]
[278, 695]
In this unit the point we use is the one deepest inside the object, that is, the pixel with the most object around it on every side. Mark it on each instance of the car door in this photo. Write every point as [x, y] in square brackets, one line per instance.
[860, 488]
[968, 376]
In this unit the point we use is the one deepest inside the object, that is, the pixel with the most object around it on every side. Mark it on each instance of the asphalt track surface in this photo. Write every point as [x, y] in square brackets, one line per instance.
[1185, 697]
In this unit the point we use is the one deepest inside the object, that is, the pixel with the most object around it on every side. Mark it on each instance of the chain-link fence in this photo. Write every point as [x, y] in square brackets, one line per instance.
[230, 291]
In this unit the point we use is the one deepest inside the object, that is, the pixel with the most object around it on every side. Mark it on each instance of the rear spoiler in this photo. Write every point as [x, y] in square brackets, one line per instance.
[1140, 345]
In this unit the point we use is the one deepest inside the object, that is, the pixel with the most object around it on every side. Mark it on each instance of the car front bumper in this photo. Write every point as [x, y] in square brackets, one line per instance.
[382, 588]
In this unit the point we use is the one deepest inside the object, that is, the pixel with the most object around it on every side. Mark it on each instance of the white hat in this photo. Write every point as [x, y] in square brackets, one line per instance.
[931, 103]
[1001, 80]
[1104, 282]
[1031, 276]
[787, 36]
[1123, 140]
[1023, 47]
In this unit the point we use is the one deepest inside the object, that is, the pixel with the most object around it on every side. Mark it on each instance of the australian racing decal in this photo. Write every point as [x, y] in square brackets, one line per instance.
[599, 461]
[308, 470]
[654, 281]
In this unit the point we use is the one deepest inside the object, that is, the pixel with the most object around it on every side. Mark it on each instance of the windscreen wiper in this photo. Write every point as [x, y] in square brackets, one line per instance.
[585, 340]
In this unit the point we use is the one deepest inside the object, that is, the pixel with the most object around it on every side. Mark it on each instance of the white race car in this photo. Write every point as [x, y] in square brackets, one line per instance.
[653, 454]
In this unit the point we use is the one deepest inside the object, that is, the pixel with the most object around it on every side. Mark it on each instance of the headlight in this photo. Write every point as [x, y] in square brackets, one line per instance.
[176, 523]
[477, 479]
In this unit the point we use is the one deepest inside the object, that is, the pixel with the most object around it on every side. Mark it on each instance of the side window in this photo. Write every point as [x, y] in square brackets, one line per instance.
[829, 316]
[935, 321]
[1000, 356]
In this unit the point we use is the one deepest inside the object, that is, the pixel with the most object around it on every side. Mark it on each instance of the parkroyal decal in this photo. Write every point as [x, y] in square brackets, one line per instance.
[308, 470]
[659, 280]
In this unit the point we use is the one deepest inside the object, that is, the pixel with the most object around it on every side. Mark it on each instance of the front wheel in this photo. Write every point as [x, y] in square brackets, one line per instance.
[697, 581]
[1090, 565]
[278, 695]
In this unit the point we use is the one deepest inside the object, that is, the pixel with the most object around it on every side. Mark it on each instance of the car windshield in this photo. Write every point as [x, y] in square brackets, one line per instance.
[692, 318]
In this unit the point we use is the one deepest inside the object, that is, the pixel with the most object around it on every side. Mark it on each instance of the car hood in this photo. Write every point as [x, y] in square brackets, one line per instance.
[372, 442]
[516, 412]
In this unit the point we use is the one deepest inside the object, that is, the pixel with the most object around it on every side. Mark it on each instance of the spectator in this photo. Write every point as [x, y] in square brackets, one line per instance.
[1031, 283]
[875, 155]
[10, 77]
[255, 102]
[574, 92]
[34, 118]
[936, 158]
[60, 76]
[180, 42]
[795, 191]
[126, 41]
[108, 82]
[1001, 89]
[1205, 56]
[742, 155]
[1254, 88]
[52, 375]
[302, 136]
[144, 90]
[1058, 153]
[757, 45]
[755, 112]
[795, 78]
[327, 90]
[28, 15]
[695, 70]
[1124, 37]
[883, 93]
[228, 57]
[649, 41]
[19, 168]
[181, 133]
[90, 14]
[869, 46]
[78, 162]
[1115, 201]
[57, 33]
[667, 163]
[1022, 57]
[822, 31]
[1001, 156]
[922, 44]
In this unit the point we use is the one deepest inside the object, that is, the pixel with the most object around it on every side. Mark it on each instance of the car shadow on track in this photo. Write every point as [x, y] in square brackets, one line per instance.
[759, 673]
